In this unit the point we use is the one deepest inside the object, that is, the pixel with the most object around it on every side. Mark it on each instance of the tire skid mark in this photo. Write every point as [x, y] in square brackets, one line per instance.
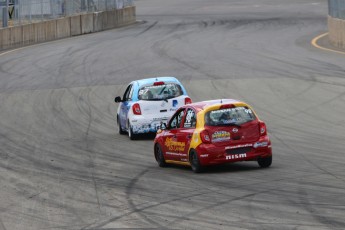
[86, 108]
[159, 48]
[2, 225]
[315, 212]
[307, 159]
[147, 29]
[214, 205]
[132, 206]
[90, 151]
[139, 210]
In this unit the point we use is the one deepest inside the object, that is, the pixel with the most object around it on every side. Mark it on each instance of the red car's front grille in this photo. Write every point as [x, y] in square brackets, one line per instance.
[239, 150]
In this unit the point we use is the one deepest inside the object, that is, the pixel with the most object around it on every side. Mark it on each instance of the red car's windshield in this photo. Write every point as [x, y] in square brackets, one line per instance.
[229, 116]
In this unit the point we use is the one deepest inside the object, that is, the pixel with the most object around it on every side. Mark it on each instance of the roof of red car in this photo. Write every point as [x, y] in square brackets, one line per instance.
[203, 104]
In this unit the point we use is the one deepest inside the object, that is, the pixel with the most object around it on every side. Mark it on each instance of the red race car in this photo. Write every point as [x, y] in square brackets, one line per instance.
[213, 132]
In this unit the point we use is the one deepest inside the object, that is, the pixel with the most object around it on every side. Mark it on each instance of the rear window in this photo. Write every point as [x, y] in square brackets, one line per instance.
[229, 116]
[159, 92]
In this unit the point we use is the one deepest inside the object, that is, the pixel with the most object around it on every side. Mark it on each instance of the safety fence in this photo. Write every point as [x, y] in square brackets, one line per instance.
[336, 8]
[22, 12]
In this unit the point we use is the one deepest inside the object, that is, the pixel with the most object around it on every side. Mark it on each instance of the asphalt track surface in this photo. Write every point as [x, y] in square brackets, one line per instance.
[63, 166]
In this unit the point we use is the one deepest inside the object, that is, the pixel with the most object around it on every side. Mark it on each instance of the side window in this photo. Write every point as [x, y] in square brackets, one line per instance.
[126, 95]
[131, 93]
[190, 121]
[176, 120]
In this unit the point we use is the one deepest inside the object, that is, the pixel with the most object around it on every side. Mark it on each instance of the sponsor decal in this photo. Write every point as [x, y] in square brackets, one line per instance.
[203, 155]
[160, 119]
[174, 103]
[173, 145]
[236, 109]
[239, 146]
[260, 144]
[236, 156]
[176, 154]
[235, 130]
[173, 109]
[220, 136]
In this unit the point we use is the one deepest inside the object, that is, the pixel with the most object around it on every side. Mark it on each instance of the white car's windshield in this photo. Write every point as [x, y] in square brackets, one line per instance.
[159, 92]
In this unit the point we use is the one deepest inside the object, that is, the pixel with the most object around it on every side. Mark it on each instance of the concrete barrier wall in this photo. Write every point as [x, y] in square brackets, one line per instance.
[87, 23]
[336, 29]
[63, 28]
[75, 25]
[18, 36]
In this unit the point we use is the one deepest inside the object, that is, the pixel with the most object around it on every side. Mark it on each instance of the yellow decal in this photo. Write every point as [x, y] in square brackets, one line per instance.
[174, 145]
[220, 136]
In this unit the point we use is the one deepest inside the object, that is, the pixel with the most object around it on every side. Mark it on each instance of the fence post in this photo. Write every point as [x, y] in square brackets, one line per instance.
[4, 17]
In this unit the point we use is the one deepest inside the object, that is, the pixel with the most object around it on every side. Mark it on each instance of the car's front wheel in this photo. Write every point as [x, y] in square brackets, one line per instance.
[265, 162]
[131, 135]
[159, 156]
[194, 162]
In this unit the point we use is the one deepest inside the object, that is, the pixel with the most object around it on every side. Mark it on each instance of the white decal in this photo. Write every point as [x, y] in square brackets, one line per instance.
[176, 154]
[236, 156]
[239, 146]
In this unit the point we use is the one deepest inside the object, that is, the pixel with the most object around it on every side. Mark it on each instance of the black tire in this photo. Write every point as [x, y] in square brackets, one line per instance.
[159, 156]
[265, 162]
[119, 128]
[194, 162]
[131, 135]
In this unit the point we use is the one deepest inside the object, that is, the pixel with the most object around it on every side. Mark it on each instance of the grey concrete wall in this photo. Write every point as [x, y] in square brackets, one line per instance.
[75, 25]
[63, 28]
[17, 36]
[336, 28]
[87, 23]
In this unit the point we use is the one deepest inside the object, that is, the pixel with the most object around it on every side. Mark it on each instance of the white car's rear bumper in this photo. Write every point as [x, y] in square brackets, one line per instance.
[147, 124]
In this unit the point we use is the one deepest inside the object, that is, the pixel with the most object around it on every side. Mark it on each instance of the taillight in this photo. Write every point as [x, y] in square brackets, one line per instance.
[205, 137]
[187, 100]
[262, 129]
[136, 109]
[158, 83]
[227, 106]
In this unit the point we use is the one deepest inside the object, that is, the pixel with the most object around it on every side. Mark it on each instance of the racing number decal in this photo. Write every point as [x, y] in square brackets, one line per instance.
[190, 120]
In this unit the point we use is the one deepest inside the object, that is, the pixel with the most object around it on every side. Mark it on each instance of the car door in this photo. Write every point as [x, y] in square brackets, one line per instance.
[125, 105]
[172, 146]
[186, 131]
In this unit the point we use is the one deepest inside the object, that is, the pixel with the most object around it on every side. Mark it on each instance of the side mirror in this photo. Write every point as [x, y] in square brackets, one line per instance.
[117, 99]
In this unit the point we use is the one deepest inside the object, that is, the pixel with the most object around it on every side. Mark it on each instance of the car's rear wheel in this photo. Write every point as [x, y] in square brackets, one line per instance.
[131, 135]
[265, 162]
[194, 162]
[119, 128]
[159, 156]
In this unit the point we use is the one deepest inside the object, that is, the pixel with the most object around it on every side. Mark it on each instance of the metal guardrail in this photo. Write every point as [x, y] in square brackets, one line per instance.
[29, 11]
[336, 8]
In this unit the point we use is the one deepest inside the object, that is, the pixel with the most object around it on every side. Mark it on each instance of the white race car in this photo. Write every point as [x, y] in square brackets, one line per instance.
[147, 103]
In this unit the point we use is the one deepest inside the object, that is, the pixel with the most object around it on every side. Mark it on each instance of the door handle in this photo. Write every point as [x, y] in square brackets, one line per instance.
[189, 136]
